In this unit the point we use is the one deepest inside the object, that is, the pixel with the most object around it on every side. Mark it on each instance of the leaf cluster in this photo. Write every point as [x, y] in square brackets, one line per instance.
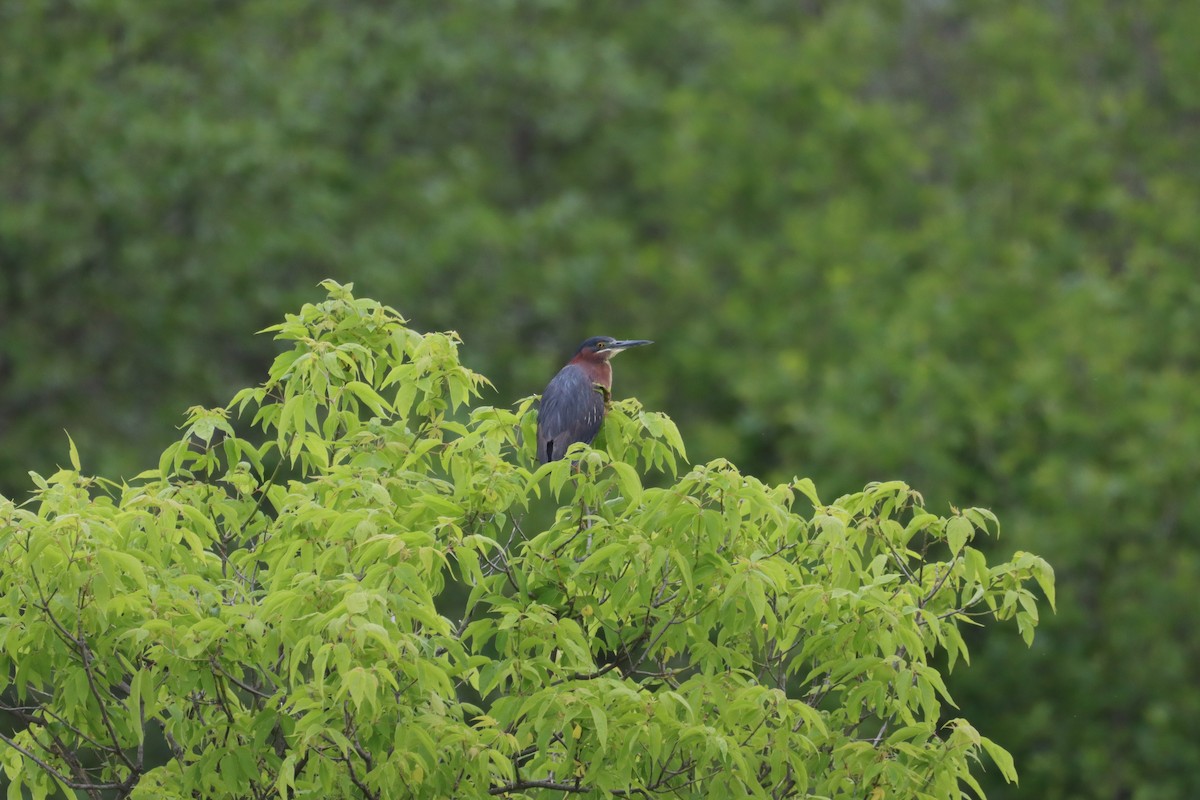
[335, 586]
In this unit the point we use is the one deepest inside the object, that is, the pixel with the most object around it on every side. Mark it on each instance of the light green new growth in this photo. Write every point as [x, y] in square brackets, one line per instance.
[356, 603]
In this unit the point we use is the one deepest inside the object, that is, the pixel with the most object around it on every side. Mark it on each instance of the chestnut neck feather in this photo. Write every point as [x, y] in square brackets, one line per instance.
[597, 368]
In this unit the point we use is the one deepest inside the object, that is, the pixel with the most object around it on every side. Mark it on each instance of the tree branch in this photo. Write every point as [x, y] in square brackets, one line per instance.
[558, 786]
[58, 776]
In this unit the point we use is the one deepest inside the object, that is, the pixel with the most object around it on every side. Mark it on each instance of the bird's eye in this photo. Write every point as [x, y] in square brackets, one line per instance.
[601, 345]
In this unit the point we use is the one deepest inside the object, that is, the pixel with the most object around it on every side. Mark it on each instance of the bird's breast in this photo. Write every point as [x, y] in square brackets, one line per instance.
[598, 372]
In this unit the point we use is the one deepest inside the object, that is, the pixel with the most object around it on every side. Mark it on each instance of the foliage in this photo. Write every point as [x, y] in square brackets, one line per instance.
[953, 243]
[291, 636]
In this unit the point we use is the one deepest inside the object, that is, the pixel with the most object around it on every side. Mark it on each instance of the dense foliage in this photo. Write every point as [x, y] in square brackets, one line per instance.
[284, 636]
[951, 243]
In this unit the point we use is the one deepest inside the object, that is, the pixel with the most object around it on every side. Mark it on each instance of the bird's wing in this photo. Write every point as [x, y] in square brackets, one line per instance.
[571, 411]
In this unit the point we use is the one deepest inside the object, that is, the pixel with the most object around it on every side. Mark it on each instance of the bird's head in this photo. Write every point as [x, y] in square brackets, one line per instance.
[602, 348]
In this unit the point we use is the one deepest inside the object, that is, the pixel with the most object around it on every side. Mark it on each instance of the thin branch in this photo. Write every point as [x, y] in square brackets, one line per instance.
[882, 730]
[558, 786]
[587, 676]
[85, 654]
[71, 757]
[937, 587]
[240, 684]
[58, 776]
[357, 781]
[176, 748]
[896, 556]
[364, 754]
[41, 719]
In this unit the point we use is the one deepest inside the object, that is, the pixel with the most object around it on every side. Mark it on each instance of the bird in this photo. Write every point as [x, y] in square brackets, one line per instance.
[576, 399]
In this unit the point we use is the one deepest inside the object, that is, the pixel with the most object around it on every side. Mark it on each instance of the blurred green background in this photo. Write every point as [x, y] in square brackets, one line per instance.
[954, 243]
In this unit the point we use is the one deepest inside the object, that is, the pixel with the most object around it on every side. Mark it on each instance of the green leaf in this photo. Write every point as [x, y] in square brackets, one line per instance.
[362, 686]
[357, 602]
[984, 519]
[600, 720]
[1002, 757]
[958, 532]
[369, 397]
[601, 556]
[631, 484]
[285, 780]
[115, 564]
[1043, 573]
[670, 432]
[806, 487]
[74, 453]
[976, 561]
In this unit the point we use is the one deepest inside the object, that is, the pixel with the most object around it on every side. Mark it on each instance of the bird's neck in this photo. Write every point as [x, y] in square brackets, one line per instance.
[598, 370]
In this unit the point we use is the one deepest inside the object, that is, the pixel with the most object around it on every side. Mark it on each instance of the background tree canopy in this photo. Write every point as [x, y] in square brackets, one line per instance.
[953, 244]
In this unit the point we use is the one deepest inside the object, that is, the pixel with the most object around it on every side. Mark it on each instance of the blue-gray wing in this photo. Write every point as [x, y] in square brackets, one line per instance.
[571, 411]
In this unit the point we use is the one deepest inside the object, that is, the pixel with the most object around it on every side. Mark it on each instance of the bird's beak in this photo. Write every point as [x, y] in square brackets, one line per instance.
[625, 344]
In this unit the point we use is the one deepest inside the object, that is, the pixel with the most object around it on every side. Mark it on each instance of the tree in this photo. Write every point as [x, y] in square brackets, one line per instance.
[971, 224]
[360, 603]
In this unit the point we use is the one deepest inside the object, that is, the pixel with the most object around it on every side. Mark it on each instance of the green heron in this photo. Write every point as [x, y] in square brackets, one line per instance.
[575, 400]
